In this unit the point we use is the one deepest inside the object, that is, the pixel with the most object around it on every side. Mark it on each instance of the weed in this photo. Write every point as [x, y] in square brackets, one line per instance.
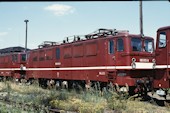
[63, 95]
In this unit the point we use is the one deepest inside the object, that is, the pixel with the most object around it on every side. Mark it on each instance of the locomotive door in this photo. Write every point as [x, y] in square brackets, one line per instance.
[111, 60]
[118, 52]
[57, 61]
[161, 49]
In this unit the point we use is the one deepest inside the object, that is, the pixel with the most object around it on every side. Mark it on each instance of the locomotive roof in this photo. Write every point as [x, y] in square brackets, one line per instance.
[163, 28]
[12, 50]
[125, 35]
[96, 35]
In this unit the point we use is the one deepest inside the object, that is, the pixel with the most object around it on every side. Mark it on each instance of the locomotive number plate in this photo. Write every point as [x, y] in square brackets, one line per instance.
[102, 73]
[144, 60]
[57, 63]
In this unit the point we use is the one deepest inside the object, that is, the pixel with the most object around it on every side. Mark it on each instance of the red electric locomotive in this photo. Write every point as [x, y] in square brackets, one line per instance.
[12, 62]
[107, 55]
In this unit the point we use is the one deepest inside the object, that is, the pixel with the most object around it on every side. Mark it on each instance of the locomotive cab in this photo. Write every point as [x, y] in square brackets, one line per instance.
[162, 75]
[142, 50]
[138, 52]
[128, 55]
[19, 58]
[19, 63]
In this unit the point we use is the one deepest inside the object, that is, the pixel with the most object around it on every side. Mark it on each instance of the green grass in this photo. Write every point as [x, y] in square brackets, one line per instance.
[33, 99]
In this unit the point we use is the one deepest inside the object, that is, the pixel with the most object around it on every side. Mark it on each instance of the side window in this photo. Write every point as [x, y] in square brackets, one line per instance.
[111, 47]
[120, 45]
[23, 57]
[162, 39]
[57, 53]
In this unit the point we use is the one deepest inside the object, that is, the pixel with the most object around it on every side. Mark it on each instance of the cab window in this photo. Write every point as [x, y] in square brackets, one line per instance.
[136, 44]
[111, 47]
[148, 45]
[120, 46]
[23, 57]
[162, 39]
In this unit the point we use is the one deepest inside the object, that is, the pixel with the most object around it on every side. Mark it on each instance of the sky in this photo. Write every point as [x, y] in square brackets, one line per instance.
[53, 21]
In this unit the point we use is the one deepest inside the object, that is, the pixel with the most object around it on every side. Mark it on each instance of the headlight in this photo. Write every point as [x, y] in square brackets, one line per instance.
[133, 59]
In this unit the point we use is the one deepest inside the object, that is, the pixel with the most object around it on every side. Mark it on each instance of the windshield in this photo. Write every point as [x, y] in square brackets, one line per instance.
[136, 44]
[148, 45]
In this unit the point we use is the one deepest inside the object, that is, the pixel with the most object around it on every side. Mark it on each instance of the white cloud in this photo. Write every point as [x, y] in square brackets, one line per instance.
[59, 9]
[3, 33]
